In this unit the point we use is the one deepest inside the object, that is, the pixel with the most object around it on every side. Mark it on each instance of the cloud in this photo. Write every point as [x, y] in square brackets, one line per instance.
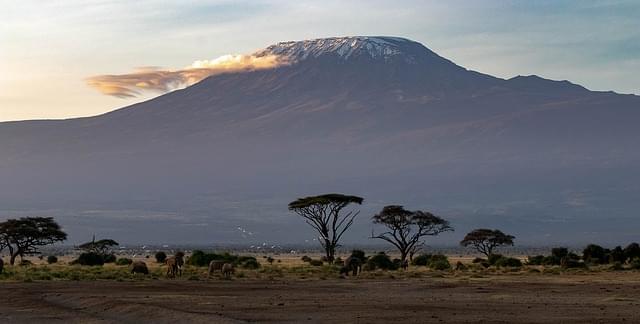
[156, 79]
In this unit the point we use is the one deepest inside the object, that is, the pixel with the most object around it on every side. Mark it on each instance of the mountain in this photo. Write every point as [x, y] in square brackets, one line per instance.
[381, 117]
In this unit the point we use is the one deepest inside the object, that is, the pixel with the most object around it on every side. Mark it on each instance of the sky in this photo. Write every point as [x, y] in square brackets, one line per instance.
[52, 51]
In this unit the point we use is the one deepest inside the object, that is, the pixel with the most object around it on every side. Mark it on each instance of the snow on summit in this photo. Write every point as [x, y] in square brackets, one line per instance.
[377, 47]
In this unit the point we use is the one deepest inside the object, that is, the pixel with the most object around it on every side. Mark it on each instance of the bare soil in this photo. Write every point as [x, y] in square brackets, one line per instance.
[607, 297]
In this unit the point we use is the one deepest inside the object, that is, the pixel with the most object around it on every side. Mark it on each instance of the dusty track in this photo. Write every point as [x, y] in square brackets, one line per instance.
[601, 298]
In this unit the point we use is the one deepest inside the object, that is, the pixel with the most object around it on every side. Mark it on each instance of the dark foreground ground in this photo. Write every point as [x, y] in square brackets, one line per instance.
[593, 298]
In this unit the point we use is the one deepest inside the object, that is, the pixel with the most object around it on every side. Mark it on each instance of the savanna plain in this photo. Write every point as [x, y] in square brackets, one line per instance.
[286, 289]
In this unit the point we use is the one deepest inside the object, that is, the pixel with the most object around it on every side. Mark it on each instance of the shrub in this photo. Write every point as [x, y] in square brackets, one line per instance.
[551, 260]
[201, 259]
[161, 257]
[380, 261]
[25, 263]
[617, 255]
[616, 266]
[460, 266]
[559, 252]
[632, 251]
[535, 260]
[508, 262]
[270, 260]
[52, 259]
[635, 263]
[124, 261]
[109, 258]
[89, 259]
[478, 260]
[316, 263]
[250, 264]
[421, 260]
[594, 254]
[493, 258]
[338, 260]
[440, 264]
[306, 259]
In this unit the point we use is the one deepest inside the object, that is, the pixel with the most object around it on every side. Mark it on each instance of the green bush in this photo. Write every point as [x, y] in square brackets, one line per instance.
[505, 262]
[52, 259]
[421, 260]
[632, 251]
[595, 254]
[616, 266]
[316, 263]
[635, 263]
[380, 261]
[124, 261]
[559, 252]
[161, 257]
[617, 255]
[493, 258]
[201, 259]
[250, 264]
[535, 260]
[89, 259]
[109, 258]
[440, 264]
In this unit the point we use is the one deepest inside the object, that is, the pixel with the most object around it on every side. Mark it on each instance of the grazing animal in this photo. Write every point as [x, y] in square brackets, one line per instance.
[215, 265]
[227, 270]
[139, 267]
[174, 265]
[353, 265]
[1, 265]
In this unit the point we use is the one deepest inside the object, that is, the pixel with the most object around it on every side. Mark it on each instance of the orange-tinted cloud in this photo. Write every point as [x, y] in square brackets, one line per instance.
[159, 80]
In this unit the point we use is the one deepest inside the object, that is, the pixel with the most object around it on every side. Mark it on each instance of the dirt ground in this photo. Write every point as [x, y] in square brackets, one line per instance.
[606, 297]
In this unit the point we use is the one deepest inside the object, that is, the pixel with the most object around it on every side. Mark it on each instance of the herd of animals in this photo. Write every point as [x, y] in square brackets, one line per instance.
[175, 263]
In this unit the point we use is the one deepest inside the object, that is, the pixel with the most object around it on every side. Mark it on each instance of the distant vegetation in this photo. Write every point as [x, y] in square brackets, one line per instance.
[405, 230]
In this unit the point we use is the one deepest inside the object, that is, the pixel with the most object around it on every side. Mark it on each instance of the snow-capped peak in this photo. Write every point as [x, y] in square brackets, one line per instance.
[377, 47]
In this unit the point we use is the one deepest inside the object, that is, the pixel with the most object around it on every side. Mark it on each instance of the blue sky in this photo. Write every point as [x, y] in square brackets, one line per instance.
[49, 48]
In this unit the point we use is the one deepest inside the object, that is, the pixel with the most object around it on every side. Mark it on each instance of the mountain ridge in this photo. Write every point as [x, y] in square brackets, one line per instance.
[234, 148]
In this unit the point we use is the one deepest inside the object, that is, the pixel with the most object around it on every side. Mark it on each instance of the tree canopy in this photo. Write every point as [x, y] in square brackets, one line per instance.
[323, 214]
[25, 235]
[407, 228]
[101, 247]
[486, 240]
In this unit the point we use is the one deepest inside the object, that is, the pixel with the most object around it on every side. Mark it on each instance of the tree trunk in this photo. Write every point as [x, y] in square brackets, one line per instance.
[331, 251]
[12, 261]
[403, 256]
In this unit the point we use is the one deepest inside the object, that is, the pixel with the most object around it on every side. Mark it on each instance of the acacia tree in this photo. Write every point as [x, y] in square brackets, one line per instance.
[100, 247]
[485, 240]
[323, 214]
[25, 235]
[407, 228]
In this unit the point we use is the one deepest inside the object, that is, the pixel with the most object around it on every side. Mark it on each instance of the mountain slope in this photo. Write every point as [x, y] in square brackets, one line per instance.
[382, 117]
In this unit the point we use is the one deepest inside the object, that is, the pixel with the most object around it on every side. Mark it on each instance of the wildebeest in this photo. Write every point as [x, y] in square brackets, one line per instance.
[228, 269]
[174, 265]
[139, 267]
[353, 265]
[215, 265]
[1, 265]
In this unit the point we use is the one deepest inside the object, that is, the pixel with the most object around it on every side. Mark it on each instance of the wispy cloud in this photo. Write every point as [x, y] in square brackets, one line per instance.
[160, 80]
